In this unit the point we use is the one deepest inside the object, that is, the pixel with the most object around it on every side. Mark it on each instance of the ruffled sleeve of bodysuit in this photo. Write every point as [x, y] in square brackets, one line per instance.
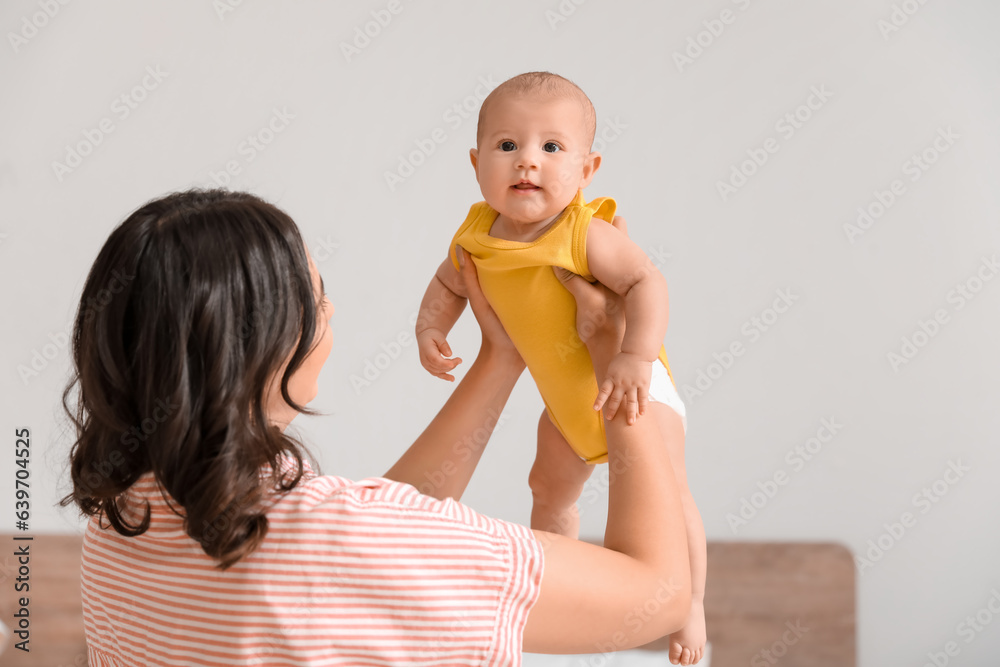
[603, 208]
[476, 213]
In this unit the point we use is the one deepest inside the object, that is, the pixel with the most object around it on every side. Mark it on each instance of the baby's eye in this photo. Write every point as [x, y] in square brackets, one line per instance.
[551, 147]
[507, 146]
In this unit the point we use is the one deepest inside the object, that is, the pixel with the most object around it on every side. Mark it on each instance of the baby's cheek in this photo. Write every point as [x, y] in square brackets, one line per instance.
[565, 179]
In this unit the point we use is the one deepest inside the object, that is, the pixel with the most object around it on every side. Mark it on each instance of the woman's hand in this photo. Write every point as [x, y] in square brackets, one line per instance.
[432, 463]
[495, 338]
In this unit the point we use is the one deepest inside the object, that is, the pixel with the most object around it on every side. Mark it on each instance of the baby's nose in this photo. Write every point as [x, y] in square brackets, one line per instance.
[527, 159]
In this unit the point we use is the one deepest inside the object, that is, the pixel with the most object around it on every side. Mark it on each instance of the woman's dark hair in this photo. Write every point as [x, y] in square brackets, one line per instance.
[192, 306]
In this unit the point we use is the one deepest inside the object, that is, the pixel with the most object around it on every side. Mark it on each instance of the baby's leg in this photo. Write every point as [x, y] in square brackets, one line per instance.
[556, 480]
[687, 644]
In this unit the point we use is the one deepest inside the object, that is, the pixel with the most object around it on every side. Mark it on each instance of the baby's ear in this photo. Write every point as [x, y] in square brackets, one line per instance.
[474, 157]
[591, 163]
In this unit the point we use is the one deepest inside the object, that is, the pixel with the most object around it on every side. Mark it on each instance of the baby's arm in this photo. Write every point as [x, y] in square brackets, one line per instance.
[441, 307]
[622, 266]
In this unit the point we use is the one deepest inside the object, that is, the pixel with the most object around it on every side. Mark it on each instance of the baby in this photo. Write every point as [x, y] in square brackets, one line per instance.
[532, 160]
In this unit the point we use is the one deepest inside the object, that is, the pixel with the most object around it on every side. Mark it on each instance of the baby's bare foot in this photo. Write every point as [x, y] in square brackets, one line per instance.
[687, 645]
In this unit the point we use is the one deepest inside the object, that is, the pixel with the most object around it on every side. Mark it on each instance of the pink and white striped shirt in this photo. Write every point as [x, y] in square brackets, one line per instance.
[350, 573]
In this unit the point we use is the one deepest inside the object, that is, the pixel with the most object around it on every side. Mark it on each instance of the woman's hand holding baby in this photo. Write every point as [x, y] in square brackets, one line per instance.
[601, 313]
[495, 338]
[600, 323]
[472, 409]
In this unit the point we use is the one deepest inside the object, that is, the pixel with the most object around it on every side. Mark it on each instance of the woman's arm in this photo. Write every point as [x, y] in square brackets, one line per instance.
[441, 461]
[637, 587]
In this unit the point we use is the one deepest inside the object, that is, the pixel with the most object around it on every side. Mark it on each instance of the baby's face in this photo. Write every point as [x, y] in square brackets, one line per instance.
[533, 157]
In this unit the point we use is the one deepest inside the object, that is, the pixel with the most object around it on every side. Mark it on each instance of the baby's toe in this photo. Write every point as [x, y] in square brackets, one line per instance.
[675, 653]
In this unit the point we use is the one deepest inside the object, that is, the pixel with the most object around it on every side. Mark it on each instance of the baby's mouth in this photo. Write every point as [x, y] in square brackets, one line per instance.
[525, 185]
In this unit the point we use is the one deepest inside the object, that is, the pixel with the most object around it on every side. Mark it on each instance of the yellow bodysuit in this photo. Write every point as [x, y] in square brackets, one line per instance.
[539, 314]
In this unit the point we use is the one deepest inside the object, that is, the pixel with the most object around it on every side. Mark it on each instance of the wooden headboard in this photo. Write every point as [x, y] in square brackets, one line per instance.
[793, 599]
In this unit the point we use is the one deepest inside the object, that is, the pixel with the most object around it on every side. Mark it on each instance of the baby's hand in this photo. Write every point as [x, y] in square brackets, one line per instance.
[628, 378]
[434, 353]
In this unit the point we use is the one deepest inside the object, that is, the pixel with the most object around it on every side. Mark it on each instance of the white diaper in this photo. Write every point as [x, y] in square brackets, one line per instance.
[662, 390]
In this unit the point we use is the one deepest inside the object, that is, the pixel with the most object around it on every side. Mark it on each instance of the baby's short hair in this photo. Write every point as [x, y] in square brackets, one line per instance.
[544, 84]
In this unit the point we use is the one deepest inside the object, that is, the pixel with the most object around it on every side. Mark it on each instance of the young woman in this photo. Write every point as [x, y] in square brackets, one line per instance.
[201, 331]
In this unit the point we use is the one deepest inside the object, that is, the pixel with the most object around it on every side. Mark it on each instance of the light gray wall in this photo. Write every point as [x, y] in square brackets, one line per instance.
[673, 133]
